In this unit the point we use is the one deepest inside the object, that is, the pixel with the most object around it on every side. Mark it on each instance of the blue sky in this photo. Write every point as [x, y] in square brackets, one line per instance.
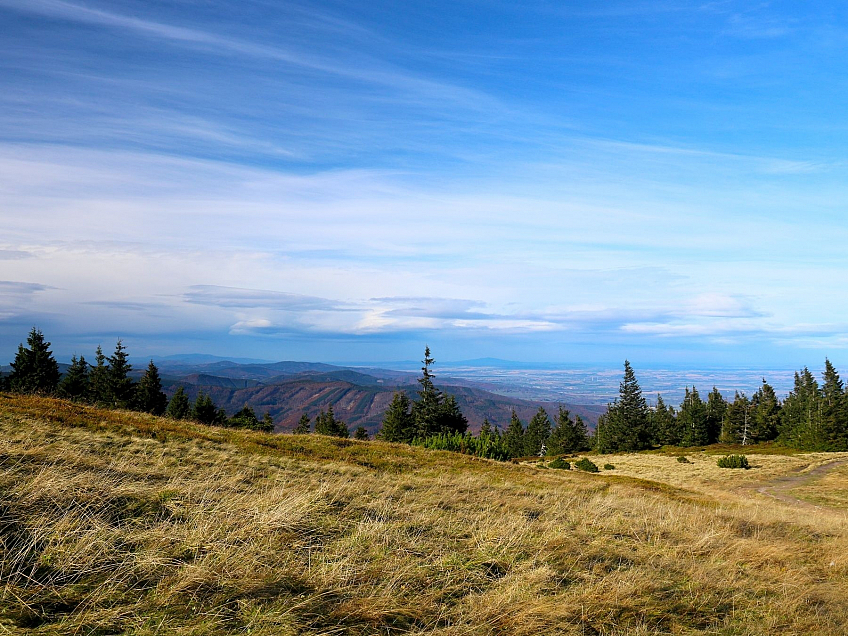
[570, 182]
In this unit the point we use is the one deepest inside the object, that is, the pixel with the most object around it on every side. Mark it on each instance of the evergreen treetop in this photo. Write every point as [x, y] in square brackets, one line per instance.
[34, 369]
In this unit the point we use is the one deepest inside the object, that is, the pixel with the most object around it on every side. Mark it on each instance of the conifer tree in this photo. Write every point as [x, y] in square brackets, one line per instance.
[834, 433]
[205, 411]
[427, 409]
[486, 428]
[361, 433]
[625, 425]
[801, 415]
[34, 369]
[716, 407]
[76, 385]
[398, 423]
[245, 418]
[267, 423]
[451, 419]
[99, 378]
[327, 424]
[148, 393]
[738, 422]
[513, 437]
[766, 414]
[120, 386]
[568, 435]
[537, 432]
[302, 427]
[179, 407]
[692, 418]
[664, 427]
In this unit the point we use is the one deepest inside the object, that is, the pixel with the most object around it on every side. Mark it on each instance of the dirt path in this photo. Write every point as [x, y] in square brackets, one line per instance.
[779, 488]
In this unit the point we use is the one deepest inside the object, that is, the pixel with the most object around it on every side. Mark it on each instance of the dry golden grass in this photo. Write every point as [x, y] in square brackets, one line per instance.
[123, 523]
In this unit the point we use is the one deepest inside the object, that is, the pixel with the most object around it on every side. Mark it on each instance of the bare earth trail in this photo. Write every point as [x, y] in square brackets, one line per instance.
[779, 488]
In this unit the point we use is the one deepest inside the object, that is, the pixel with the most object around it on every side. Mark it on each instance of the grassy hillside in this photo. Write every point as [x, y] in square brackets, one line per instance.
[116, 522]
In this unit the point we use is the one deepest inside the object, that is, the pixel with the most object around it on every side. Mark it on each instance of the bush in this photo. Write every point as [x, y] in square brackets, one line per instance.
[733, 461]
[586, 465]
[683, 459]
[560, 463]
[609, 467]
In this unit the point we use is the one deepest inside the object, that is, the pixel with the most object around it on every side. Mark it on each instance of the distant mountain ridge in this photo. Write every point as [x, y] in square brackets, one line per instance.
[359, 396]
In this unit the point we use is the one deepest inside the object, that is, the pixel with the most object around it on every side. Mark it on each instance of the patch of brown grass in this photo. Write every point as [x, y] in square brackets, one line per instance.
[124, 523]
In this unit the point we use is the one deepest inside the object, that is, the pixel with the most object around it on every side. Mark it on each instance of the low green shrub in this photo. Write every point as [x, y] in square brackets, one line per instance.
[733, 461]
[609, 467]
[560, 463]
[683, 459]
[586, 465]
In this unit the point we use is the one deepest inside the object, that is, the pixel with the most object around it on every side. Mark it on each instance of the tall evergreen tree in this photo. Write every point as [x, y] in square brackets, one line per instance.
[834, 414]
[99, 378]
[801, 415]
[267, 423]
[302, 427]
[664, 428]
[148, 393]
[121, 385]
[205, 411]
[179, 407]
[513, 437]
[716, 407]
[692, 419]
[766, 414]
[625, 425]
[568, 435]
[327, 424]
[76, 385]
[34, 369]
[398, 422]
[427, 409]
[738, 422]
[451, 419]
[485, 428]
[537, 432]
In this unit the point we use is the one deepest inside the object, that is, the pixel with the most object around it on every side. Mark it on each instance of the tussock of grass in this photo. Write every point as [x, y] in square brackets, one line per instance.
[124, 523]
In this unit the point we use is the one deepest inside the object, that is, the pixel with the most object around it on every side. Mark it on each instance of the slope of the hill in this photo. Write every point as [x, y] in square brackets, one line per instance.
[120, 523]
[357, 404]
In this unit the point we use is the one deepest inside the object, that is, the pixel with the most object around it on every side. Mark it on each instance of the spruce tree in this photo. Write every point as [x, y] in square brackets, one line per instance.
[179, 407]
[267, 423]
[766, 414]
[485, 428]
[801, 415]
[245, 418]
[451, 419]
[99, 378]
[568, 435]
[398, 423]
[34, 369]
[834, 432]
[302, 427]
[537, 432]
[148, 393]
[120, 386]
[625, 425]
[76, 385]
[716, 407]
[692, 418]
[513, 437]
[664, 427]
[204, 410]
[361, 433]
[427, 409]
[738, 422]
[327, 424]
